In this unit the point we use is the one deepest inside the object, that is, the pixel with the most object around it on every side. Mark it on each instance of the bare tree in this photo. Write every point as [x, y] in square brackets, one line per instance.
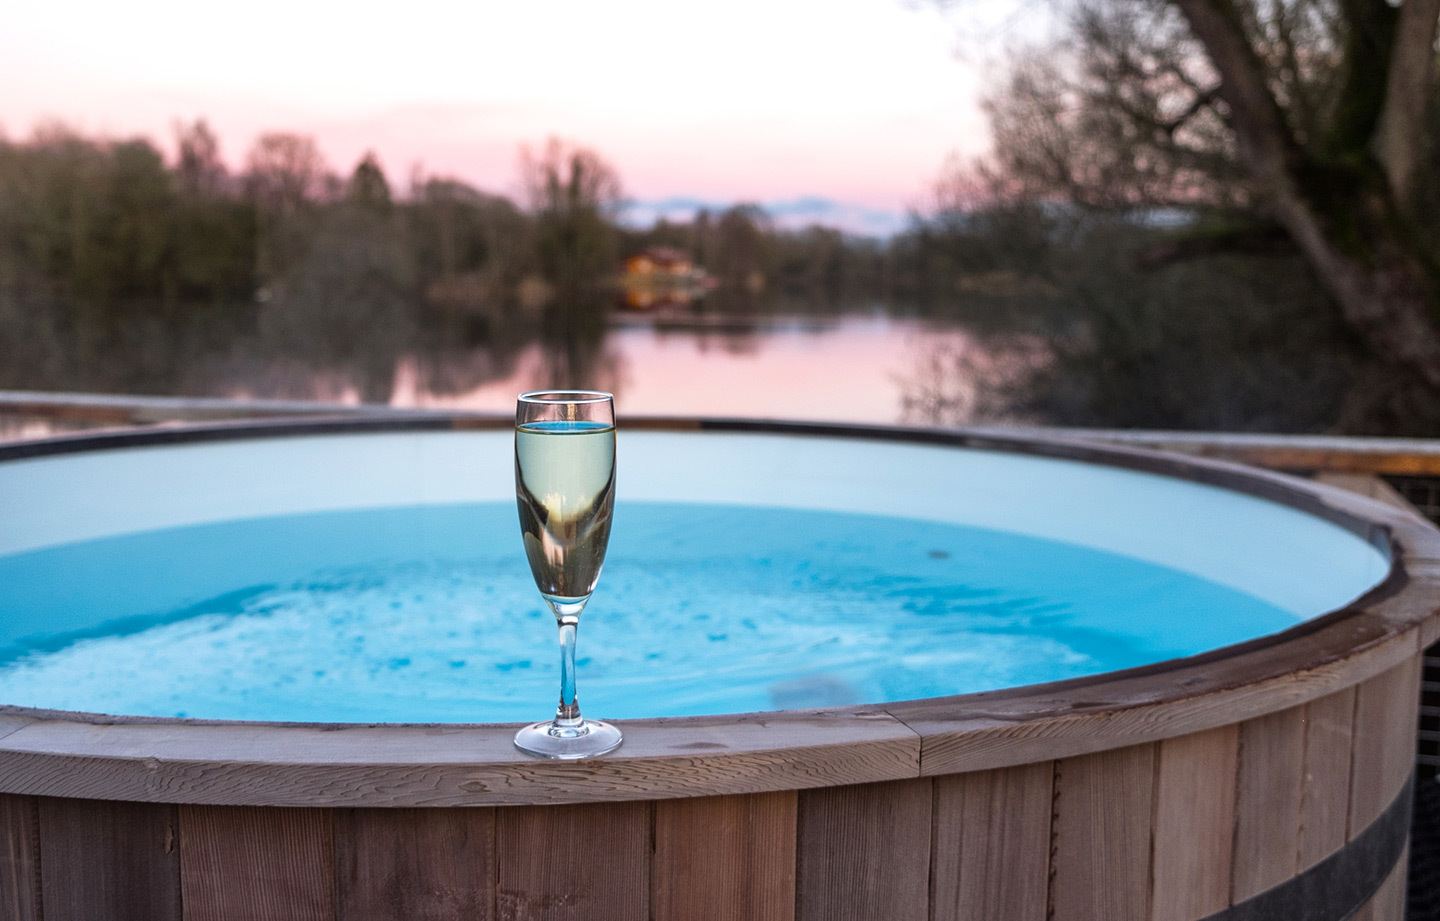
[575, 196]
[1345, 196]
[198, 165]
[1304, 119]
[284, 175]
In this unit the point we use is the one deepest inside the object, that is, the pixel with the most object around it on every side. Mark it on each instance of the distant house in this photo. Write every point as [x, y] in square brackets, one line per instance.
[663, 276]
[659, 260]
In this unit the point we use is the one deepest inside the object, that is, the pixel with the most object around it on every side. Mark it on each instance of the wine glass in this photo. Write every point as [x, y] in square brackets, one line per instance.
[565, 487]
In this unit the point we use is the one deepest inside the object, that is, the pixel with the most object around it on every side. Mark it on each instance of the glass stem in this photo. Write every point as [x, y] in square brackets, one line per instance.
[568, 713]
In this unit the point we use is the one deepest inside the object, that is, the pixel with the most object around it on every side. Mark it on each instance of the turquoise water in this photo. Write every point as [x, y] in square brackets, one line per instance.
[429, 614]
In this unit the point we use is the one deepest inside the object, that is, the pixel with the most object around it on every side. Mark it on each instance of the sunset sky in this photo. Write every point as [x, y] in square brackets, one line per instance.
[855, 101]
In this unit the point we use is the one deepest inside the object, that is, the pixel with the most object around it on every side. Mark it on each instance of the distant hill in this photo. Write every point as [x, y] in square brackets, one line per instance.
[792, 213]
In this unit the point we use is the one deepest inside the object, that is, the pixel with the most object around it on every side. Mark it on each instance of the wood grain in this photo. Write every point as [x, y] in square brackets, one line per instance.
[1367, 484]
[864, 852]
[1268, 791]
[1101, 837]
[1388, 902]
[573, 863]
[467, 766]
[1325, 792]
[1194, 826]
[415, 864]
[108, 860]
[998, 729]
[19, 858]
[725, 858]
[991, 854]
[258, 764]
[1383, 742]
[250, 864]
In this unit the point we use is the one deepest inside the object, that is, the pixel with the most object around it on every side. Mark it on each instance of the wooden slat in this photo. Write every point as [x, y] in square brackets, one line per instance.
[1194, 825]
[241, 863]
[992, 844]
[19, 858]
[1102, 826]
[1268, 791]
[864, 852]
[415, 864]
[108, 860]
[1367, 484]
[1079, 717]
[1383, 744]
[1388, 902]
[1325, 793]
[573, 863]
[725, 858]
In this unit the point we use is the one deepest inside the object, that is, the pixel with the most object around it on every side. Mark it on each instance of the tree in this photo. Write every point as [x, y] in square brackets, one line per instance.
[284, 177]
[739, 252]
[368, 187]
[198, 165]
[575, 197]
[1345, 197]
[1304, 120]
[471, 249]
[284, 170]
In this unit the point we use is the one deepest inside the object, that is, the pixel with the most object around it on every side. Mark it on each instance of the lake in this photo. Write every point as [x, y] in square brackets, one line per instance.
[857, 368]
[864, 367]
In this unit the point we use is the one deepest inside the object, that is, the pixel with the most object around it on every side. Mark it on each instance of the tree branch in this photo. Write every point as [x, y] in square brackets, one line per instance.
[1369, 37]
[1259, 125]
[1301, 103]
[1400, 136]
[1255, 238]
[1196, 106]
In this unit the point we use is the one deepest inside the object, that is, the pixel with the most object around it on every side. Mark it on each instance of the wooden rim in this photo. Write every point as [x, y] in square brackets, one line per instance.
[61, 753]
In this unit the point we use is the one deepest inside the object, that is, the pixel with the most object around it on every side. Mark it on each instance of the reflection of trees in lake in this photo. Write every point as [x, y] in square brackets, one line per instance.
[959, 378]
[1217, 343]
[348, 303]
[573, 327]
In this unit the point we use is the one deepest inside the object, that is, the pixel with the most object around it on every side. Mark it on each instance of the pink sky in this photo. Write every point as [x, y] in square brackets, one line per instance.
[856, 100]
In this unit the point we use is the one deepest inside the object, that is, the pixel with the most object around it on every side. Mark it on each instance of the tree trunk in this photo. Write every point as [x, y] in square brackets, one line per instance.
[1344, 218]
[1384, 294]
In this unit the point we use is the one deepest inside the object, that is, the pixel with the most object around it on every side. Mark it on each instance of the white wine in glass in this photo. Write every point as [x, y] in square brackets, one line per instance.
[565, 488]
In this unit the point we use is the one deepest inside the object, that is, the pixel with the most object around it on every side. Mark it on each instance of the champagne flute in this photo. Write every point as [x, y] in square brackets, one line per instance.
[565, 487]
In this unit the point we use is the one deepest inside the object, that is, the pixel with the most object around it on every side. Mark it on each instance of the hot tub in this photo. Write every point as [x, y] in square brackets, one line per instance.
[273, 672]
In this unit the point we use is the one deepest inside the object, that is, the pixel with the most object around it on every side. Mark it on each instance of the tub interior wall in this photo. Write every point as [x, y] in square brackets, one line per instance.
[1286, 557]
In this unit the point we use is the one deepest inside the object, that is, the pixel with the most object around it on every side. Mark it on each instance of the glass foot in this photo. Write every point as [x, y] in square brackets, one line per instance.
[568, 743]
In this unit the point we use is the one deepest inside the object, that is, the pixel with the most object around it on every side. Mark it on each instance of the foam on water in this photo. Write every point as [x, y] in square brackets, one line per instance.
[428, 614]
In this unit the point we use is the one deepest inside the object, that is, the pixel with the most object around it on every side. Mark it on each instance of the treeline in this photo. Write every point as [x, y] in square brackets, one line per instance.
[121, 269]
[110, 228]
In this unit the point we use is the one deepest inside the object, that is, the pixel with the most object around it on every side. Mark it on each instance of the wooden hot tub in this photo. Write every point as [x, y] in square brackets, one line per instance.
[1265, 780]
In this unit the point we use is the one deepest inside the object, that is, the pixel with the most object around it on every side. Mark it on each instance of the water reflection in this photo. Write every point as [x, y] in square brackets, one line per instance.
[366, 349]
[851, 368]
